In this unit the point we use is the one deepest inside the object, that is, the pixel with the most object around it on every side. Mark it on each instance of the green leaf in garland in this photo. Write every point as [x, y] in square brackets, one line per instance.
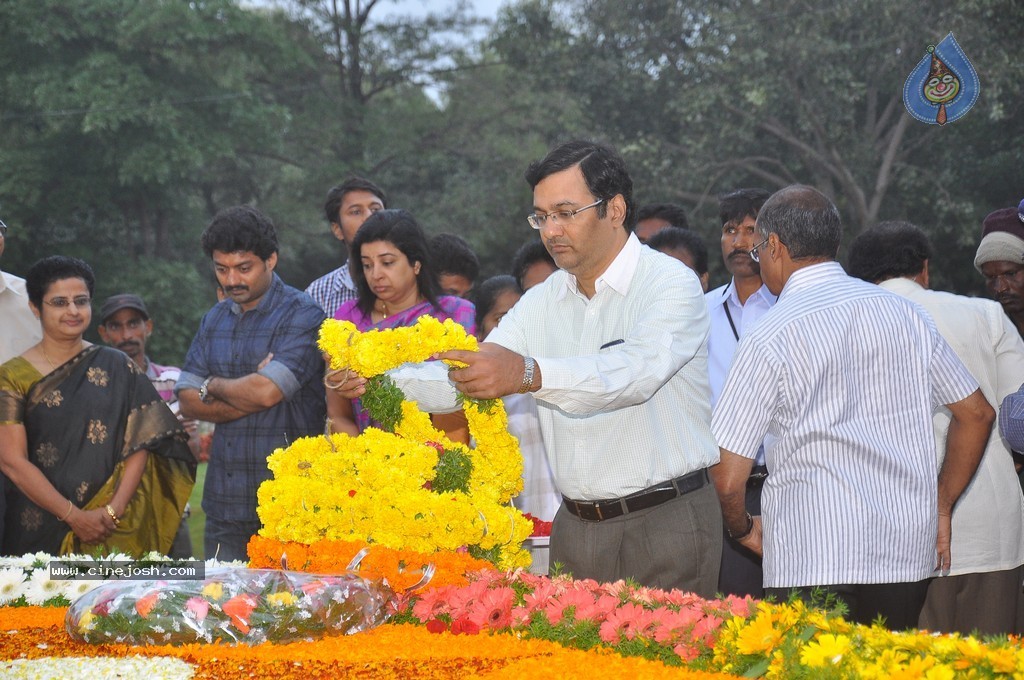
[483, 405]
[454, 468]
[383, 400]
[491, 554]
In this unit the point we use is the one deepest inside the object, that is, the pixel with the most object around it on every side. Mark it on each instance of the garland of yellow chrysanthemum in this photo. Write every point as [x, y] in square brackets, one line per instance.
[376, 487]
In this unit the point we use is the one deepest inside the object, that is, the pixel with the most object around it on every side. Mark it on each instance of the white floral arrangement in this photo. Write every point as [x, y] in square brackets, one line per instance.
[98, 668]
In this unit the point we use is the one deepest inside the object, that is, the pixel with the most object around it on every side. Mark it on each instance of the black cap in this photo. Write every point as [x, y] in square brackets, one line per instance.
[115, 303]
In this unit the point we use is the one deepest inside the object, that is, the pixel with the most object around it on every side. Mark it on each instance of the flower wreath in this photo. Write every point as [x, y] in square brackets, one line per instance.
[404, 485]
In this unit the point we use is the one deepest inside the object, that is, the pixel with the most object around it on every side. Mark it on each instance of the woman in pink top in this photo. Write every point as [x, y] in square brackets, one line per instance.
[391, 268]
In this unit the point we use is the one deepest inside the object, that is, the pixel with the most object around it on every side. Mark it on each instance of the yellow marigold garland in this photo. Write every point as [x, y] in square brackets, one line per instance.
[376, 487]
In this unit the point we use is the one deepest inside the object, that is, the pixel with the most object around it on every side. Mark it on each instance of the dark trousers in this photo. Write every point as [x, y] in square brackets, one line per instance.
[989, 603]
[227, 539]
[676, 544]
[181, 549]
[898, 603]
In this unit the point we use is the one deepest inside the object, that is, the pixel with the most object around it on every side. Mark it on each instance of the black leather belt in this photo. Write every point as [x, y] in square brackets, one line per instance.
[595, 511]
[758, 474]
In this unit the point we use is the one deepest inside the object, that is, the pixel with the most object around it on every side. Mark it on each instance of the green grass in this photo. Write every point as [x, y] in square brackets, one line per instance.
[197, 521]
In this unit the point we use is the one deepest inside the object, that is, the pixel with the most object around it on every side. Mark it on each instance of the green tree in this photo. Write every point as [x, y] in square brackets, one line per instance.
[125, 125]
[771, 92]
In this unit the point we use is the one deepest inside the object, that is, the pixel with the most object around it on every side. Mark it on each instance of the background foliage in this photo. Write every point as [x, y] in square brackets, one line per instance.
[126, 124]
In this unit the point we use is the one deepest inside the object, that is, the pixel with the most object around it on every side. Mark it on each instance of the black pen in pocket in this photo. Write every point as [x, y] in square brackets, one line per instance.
[606, 345]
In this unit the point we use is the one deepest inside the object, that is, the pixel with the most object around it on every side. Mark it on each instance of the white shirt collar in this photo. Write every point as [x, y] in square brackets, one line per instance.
[729, 293]
[617, 276]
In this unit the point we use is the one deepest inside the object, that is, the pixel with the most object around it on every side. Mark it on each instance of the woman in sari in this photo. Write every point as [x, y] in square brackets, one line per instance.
[98, 461]
[397, 285]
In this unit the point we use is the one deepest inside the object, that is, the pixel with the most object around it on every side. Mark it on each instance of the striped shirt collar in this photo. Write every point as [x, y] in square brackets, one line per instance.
[617, 276]
[813, 275]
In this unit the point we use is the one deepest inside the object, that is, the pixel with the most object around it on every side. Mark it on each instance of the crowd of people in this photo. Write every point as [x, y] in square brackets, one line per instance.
[803, 428]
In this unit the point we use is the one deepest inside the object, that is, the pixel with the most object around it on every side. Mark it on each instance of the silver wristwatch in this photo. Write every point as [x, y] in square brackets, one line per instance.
[204, 391]
[528, 367]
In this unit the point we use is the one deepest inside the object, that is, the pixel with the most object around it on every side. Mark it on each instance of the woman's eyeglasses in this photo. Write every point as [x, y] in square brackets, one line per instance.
[62, 302]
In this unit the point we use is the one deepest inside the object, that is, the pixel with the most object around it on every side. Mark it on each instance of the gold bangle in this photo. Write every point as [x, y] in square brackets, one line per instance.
[113, 516]
[71, 507]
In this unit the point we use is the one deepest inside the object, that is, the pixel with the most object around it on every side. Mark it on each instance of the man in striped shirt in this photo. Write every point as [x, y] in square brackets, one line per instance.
[348, 205]
[840, 380]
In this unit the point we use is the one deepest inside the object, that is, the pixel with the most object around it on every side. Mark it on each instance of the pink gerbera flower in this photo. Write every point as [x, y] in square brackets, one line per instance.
[493, 609]
[542, 594]
[671, 626]
[432, 603]
[628, 621]
[596, 610]
[706, 629]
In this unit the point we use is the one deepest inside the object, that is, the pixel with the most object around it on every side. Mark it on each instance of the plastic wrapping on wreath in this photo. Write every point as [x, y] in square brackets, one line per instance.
[230, 605]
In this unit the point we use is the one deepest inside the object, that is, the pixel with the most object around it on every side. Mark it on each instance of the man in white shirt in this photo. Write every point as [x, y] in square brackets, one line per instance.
[348, 205]
[613, 347]
[21, 327]
[842, 378]
[21, 330]
[982, 591]
[733, 309]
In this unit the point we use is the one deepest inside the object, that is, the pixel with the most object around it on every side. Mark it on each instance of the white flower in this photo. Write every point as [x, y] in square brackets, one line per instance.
[75, 589]
[215, 563]
[40, 588]
[23, 562]
[155, 556]
[11, 580]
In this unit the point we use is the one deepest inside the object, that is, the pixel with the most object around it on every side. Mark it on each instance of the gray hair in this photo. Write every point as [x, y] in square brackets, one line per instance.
[805, 220]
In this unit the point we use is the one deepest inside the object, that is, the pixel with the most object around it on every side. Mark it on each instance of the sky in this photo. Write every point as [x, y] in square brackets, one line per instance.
[485, 8]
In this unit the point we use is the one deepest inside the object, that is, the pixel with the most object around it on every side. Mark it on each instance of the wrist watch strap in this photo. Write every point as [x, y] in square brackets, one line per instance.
[528, 368]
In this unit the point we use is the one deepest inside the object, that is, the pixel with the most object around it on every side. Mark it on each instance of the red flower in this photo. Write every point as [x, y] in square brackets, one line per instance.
[351, 493]
[436, 626]
[102, 608]
[540, 527]
[464, 625]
